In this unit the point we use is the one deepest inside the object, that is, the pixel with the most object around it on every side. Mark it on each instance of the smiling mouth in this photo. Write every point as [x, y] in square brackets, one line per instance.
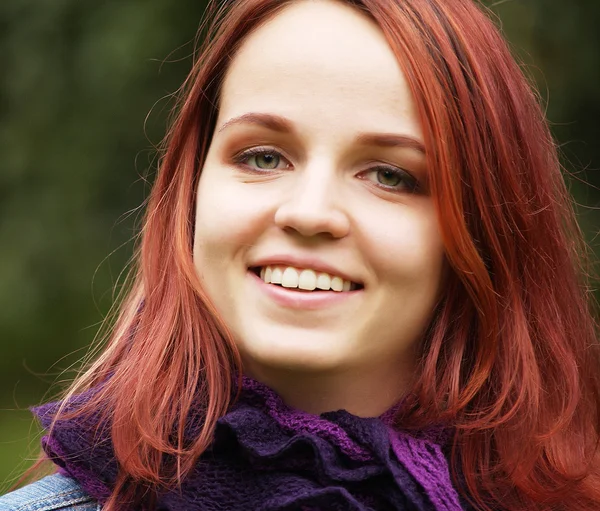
[303, 280]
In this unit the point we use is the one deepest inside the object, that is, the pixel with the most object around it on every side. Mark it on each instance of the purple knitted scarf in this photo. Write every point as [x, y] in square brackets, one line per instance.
[267, 456]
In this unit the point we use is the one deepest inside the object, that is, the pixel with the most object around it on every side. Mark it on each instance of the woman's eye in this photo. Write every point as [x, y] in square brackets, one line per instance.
[265, 160]
[261, 159]
[392, 178]
[388, 178]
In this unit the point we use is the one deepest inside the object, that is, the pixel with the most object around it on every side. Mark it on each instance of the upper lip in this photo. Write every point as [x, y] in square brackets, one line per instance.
[303, 262]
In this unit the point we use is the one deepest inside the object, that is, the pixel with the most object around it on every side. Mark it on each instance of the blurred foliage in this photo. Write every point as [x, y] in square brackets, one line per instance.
[84, 97]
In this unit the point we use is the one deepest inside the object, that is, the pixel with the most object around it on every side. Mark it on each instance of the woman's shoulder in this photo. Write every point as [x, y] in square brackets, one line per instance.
[52, 492]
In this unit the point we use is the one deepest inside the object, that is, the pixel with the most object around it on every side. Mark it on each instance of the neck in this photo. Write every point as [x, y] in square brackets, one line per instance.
[364, 393]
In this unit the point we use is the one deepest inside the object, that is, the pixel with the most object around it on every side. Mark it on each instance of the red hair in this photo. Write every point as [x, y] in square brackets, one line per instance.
[511, 358]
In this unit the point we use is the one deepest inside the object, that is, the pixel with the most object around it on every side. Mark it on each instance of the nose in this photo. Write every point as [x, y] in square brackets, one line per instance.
[312, 206]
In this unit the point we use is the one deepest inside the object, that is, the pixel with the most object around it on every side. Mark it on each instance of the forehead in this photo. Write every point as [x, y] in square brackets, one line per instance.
[319, 59]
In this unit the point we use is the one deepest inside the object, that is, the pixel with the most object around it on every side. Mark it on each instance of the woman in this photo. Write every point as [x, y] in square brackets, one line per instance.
[360, 284]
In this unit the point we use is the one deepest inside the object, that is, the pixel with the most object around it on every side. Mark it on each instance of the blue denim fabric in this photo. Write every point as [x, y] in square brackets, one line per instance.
[51, 492]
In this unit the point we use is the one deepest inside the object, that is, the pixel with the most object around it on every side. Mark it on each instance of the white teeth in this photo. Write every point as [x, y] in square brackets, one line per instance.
[308, 280]
[324, 281]
[276, 276]
[290, 278]
[337, 284]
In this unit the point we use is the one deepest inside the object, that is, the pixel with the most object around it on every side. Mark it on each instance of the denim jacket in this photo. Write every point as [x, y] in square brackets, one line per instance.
[52, 492]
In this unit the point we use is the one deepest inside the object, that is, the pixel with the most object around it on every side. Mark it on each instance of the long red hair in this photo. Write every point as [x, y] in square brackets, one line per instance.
[511, 357]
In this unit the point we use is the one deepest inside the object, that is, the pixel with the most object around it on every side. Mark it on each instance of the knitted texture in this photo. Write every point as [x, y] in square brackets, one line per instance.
[266, 456]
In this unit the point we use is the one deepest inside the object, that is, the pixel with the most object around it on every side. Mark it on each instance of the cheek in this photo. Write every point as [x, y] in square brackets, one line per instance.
[405, 245]
[227, 217]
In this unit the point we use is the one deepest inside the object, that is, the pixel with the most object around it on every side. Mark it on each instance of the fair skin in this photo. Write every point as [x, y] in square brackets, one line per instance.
[319, 194]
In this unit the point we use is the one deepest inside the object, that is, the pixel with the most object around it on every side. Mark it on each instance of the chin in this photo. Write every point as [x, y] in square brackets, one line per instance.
[294, 353]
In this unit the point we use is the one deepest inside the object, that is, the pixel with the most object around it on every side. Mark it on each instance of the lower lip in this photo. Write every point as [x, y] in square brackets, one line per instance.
[292, 299]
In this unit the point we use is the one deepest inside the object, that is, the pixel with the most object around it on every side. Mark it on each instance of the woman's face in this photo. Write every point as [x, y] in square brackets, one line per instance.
[316, 176]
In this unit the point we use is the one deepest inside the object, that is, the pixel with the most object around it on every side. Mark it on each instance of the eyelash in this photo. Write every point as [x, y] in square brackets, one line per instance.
[413, 185]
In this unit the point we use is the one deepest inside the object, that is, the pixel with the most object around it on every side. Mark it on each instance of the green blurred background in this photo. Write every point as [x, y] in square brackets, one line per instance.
[84, 98]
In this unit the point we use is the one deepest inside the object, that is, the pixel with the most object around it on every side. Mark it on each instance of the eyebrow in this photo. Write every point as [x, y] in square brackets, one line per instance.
[283, 125]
